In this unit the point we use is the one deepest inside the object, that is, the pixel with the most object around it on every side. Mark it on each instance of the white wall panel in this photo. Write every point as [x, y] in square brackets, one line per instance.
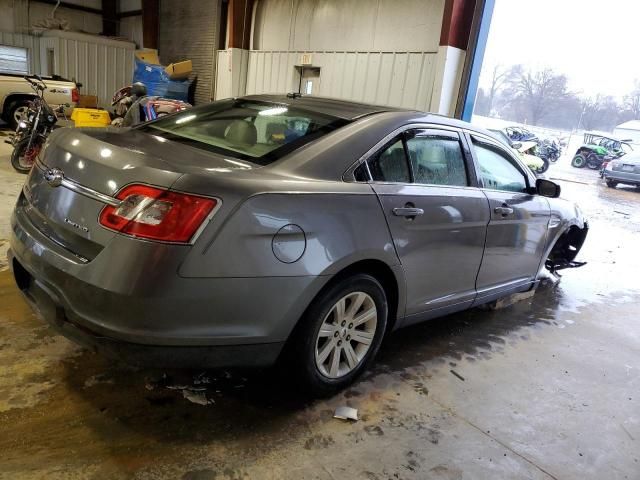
[101, 65]
[348, 25]
[403, 79]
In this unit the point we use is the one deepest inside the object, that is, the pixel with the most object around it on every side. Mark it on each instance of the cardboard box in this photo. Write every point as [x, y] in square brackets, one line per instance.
[148, 55]
[179, 70]
[88, 101]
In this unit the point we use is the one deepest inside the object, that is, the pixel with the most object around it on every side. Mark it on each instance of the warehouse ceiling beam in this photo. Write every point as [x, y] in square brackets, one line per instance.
[109, 18]
[150, 23]
[239, 23]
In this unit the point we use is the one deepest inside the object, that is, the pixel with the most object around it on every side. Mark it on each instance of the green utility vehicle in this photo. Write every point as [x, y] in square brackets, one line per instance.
[597, 148]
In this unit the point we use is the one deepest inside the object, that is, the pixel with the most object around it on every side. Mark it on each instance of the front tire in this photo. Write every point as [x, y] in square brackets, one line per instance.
[578, 161]
[22, 159]
[339, 334]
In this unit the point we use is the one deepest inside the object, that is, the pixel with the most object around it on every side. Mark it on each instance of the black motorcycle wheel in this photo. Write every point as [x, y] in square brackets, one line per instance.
[544, 167]
[593, 162]
[23, 158]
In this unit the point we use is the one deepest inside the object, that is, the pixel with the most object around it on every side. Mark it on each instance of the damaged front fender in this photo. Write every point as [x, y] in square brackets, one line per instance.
[567, 233]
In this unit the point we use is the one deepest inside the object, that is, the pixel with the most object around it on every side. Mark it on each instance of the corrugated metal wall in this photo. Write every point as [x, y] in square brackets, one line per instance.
[348, 25]
[100, 64]
[231, 73]
[402, 79]
[189, 31]
[102, 68]
[375, 51]
[26, 41]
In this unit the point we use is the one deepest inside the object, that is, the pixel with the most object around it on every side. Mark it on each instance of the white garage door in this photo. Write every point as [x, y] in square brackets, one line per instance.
[14, 60]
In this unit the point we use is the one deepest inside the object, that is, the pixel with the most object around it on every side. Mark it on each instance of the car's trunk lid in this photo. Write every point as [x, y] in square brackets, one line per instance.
[99, 162]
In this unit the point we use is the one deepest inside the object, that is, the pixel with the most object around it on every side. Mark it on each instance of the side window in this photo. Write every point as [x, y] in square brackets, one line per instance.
[436, 158]
[361, 174]
[390, 165]
[497, 170]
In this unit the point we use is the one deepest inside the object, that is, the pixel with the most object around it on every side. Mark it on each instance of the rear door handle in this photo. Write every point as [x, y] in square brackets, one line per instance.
[407, 211]
[504, 211]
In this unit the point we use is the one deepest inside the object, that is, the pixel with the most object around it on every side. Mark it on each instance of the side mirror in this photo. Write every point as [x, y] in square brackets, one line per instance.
[547, 188]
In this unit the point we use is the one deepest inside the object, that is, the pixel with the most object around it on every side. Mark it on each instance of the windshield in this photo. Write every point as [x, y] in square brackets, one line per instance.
[260, 132]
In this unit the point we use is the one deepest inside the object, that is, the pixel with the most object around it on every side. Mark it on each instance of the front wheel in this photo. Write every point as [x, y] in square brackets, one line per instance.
[16, 111]
[578, 161]
[339, 334]
[24, 155]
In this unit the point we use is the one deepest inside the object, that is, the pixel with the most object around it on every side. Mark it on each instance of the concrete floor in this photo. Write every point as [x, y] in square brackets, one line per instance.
[547, 388]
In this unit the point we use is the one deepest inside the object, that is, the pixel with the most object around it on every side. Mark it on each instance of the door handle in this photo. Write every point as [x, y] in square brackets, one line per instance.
[504, 211]
[407, 212]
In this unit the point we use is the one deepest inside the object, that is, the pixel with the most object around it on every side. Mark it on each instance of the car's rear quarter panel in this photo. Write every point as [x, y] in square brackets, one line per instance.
[340, 228]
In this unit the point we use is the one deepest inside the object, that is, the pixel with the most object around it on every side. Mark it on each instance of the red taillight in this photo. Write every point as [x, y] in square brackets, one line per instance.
[75, 95]
[156, 214]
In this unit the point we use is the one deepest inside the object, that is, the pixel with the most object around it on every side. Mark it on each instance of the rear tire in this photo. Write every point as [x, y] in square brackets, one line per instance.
[593, 162]
[544, 167]
[21, 159]
[578, 161]
[329, 348]
[611, 183]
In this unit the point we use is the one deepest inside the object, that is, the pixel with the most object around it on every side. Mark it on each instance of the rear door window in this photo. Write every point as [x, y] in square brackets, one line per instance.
[390, 165]
[436, 158]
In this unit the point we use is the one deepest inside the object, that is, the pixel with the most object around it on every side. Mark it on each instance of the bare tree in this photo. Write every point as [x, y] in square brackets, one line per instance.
[499, 77]
[600, 112]
[632, 102]
[538, 92]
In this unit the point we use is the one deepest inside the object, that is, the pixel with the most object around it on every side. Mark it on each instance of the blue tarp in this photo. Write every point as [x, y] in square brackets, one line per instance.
[158, 83]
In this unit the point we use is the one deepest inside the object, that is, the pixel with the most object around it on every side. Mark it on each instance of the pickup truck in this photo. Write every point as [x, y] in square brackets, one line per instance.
[16, 93]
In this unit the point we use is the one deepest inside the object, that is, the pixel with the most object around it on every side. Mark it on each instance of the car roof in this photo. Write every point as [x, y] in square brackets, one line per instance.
[352, 111]
[334, 107]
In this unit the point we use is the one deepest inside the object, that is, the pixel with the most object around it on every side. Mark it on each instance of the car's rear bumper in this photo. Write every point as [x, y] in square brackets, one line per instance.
[153, 316]
[193, 356]
[622, 177]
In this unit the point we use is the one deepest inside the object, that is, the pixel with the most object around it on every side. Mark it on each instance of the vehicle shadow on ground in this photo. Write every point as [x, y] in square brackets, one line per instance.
[187, 406]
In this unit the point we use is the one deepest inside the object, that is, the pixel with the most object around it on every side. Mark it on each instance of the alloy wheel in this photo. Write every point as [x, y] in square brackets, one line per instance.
[346, 335]
[19, 112]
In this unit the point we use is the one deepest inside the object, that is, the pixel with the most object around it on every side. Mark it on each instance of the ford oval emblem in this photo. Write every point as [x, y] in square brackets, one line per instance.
[54, 177]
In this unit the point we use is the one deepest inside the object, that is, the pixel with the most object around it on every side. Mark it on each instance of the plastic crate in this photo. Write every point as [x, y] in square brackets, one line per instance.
[90, 117]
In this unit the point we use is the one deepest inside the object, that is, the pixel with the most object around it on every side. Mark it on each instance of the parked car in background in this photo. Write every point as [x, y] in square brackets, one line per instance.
[625, 170]
[16, 94]
[268, 226]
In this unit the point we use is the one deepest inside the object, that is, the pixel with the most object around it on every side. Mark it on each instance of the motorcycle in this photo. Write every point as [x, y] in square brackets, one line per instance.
[33, 129]
[549, 151]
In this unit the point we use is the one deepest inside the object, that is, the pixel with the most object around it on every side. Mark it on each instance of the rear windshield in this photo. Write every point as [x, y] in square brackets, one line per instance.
[260, 132]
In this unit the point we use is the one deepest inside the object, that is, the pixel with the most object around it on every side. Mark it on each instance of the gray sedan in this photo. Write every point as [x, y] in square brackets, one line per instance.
[625, 169]
[268, 227]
